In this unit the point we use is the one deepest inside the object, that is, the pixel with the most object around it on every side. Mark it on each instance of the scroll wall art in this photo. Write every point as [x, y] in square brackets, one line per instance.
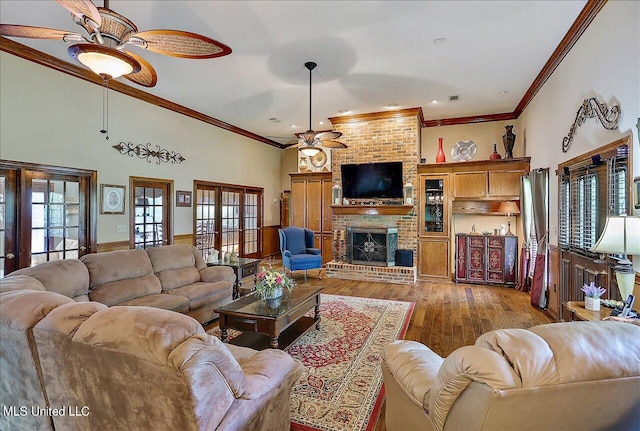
[144, 151]
[592, 108]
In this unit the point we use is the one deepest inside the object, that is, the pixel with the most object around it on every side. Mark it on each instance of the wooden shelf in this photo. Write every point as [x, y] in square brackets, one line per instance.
[372, 209]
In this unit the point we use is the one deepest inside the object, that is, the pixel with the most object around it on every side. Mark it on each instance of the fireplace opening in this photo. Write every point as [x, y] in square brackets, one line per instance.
[372, 246]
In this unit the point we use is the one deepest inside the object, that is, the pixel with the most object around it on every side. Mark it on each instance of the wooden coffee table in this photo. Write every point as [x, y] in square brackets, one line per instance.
[273, 323]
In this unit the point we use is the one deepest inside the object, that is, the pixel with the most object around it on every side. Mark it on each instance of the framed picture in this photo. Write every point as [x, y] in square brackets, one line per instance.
[636, 190]
[112, 199]
[183, 198]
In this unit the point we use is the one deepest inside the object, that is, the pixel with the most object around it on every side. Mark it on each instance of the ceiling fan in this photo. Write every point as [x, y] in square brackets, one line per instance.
[308, 141]
[109, 33]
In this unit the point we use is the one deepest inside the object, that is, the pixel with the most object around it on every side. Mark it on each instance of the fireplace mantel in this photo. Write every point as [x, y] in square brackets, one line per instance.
[371, 209]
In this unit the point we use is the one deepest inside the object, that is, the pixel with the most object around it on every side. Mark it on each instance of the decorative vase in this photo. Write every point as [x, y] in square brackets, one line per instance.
[440, 157]
[303, 166]
[213, 256]
[226, 256]
[234, 257]
[272, 293]
[495, 155]
[508, 139]
[592, 304]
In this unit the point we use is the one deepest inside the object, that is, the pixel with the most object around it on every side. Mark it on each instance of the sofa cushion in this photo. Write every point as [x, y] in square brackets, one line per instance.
[203, 294]
[171, 279]
[67, 277]
[175, 303]
[120, 291]
[175, 265]
[20, 282]
[116, 265]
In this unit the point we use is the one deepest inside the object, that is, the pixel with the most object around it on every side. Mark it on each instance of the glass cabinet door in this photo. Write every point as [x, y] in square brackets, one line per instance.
[434, 218]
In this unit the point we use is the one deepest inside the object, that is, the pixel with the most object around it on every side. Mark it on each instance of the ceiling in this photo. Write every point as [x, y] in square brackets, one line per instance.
[370, 54]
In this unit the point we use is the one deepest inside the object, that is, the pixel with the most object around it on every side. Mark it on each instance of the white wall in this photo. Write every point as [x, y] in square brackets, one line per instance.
[52, 118]
[604, 63]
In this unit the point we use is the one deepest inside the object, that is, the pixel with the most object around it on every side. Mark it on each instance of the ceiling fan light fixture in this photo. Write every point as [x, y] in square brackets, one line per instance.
[309, 150]
[106, 62]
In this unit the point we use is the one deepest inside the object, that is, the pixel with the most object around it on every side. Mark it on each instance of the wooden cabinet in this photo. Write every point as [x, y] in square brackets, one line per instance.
[471, 185]
[434, 243]
[486, 259]
[505, 183]
[433, 258]
[311, 208]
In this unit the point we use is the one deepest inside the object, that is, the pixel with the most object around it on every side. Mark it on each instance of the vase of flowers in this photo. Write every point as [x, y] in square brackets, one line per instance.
[271, 283]
[592, 296]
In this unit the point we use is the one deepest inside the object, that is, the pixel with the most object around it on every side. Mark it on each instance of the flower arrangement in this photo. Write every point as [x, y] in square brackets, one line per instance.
[271, 283]
[591, 291]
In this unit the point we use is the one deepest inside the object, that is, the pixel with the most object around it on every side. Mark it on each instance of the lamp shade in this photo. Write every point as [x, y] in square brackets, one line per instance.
[308, 150]
[621, 235]
[104, 61]
[508, 207]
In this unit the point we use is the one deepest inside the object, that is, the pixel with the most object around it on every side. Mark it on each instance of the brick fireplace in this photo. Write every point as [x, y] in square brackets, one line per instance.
[378, 137]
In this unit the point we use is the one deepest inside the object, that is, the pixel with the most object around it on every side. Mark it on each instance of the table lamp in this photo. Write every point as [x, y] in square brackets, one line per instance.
[508, 207]
[621, 235]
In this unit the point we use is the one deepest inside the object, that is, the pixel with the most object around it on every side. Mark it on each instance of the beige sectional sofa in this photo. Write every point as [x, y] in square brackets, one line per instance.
[85, 366]
[173, 277]
[559, 376]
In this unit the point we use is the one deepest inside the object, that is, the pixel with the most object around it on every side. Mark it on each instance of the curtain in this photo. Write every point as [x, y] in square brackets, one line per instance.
[525, 218]
[540, 206]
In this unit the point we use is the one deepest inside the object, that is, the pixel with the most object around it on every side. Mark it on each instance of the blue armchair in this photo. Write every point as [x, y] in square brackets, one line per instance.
[296, 246]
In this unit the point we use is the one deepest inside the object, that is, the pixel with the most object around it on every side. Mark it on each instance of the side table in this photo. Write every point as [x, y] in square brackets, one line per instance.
[244, 267]
[578, 312]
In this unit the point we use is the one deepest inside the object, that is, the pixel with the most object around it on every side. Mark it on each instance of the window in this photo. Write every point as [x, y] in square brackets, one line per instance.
[150, 205]
[590, 188]
[46, 214]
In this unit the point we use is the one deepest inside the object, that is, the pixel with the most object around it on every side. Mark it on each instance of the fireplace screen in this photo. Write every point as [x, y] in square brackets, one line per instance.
[372, 246]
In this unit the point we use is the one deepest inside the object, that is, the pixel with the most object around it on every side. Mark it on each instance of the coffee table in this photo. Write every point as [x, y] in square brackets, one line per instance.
[271, 323]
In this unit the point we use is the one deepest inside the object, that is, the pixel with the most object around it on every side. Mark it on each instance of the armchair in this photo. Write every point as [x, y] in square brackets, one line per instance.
[298, 253]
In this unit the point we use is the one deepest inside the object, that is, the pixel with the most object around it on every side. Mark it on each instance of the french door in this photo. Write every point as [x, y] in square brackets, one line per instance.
[228, 218]
[151, 216]
[46, 213]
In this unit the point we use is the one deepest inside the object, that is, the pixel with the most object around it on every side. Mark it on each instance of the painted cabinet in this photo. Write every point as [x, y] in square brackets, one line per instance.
[487, 259]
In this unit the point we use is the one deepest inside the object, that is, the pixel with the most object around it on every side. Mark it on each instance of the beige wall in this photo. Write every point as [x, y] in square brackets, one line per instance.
[604, 63]
[52, 118]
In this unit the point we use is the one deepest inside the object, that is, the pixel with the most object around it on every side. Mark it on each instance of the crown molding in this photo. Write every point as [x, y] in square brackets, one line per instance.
[470, 120]
[19, 50]
[384, 115]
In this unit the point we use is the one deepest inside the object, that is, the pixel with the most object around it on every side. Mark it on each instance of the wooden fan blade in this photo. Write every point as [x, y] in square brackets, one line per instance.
[82, 8]
[182, 44]
[328, 136]
[333, 144]
[294, 146]
[12, 30]
[147, 76]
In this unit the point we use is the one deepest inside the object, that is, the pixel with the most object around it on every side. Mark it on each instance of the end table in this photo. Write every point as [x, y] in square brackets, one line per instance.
[244, 267]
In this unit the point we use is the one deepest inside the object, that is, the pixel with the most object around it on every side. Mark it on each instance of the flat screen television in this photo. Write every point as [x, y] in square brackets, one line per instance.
[372, 180]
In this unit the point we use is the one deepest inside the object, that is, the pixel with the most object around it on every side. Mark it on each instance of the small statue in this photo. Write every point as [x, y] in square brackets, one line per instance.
[234, 257]
[213, 256]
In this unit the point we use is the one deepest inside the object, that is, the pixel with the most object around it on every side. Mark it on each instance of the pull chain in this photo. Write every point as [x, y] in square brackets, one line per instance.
[105, 108]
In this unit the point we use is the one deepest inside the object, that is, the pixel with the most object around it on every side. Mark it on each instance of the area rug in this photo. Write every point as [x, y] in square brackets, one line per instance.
[341, 388]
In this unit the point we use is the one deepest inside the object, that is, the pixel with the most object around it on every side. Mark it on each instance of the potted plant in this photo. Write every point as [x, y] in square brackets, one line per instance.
[592, 296]
[271, 283]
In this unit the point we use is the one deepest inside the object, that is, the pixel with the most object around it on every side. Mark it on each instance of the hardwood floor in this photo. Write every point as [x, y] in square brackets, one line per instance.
[446, 315]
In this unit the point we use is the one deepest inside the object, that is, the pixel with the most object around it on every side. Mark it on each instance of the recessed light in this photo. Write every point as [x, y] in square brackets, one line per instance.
[293, 126]
[434, 101]
[343, 111]
[440, 40]
[321, 123]
[392, 106]
[503, 92]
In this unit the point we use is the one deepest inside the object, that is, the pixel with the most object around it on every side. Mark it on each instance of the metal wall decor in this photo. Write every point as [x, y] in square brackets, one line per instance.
[591, 108]
[144, 151]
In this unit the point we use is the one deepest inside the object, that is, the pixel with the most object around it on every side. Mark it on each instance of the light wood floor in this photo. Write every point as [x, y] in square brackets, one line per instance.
[446, 315]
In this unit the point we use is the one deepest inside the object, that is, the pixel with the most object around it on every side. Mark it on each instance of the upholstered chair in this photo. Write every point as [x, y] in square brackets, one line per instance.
[298, 251]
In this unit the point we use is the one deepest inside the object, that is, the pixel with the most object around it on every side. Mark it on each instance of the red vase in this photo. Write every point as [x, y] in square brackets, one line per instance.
[440, 157]
[495, 155]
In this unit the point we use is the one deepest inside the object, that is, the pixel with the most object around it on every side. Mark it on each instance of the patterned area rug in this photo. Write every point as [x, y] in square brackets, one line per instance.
[341, 388]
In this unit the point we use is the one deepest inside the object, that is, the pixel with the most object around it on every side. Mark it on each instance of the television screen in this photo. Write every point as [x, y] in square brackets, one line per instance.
[372, 180]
